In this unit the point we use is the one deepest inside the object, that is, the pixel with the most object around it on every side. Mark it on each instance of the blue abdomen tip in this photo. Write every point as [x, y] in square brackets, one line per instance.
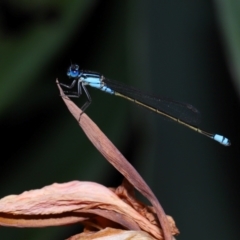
[221, 139]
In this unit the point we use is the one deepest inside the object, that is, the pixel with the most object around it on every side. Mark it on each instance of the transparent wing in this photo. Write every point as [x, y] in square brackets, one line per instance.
[182, 111]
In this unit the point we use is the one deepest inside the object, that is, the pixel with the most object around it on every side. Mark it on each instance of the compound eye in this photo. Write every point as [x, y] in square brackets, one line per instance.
[73, 71]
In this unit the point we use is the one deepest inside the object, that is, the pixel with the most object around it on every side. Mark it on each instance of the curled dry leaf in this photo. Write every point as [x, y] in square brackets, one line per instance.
[92, 204]
[105, 213]
[114, 157]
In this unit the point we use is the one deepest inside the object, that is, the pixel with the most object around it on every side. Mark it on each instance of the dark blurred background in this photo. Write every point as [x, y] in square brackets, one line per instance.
[186, 50]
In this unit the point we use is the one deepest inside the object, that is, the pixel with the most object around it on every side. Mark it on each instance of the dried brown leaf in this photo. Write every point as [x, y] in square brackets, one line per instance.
[106, 213]
[111, 153]
[71, 202]
[58, 204]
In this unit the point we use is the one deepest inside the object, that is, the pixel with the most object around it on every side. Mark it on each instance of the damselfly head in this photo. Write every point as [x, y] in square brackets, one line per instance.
[73, 71]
